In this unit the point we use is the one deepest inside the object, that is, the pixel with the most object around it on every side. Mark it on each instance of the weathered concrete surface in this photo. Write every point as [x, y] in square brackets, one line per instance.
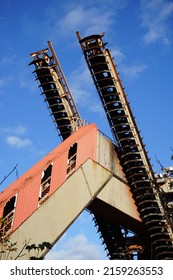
[57, 213]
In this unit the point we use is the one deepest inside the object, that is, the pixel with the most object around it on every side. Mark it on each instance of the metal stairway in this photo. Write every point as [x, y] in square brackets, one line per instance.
[129, 146]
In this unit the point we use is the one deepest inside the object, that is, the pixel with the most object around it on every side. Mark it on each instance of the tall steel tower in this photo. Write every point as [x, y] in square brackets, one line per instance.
[129, 146]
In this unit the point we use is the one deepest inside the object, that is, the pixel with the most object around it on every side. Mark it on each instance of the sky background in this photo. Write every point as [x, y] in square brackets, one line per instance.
[140, 36]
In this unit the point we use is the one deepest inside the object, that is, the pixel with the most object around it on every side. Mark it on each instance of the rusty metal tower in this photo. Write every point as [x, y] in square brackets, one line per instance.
[129, 146]
[56, 92]
[116, 239]
[131, 207]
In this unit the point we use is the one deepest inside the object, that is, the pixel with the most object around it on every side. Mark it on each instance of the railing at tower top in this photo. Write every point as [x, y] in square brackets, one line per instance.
[56, 91]
[130, 148]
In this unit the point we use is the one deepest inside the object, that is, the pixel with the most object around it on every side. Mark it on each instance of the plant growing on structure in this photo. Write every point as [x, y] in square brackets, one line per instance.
[38, 248]
[7, 247]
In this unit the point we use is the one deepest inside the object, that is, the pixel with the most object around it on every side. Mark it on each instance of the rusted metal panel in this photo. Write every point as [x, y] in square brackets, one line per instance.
[58, 172]
[39, 166]
[28, 176]
[27, 187]
[27, 200]
[87, 146]
[1, 211]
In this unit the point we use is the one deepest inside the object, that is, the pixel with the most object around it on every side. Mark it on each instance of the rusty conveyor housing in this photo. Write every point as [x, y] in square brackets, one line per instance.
[130, 148]
[56, 92]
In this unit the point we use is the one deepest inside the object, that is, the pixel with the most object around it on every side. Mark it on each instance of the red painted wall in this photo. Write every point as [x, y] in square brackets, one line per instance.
[27, 187]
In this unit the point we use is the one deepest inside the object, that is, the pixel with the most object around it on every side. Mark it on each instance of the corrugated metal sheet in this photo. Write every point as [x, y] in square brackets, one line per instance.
[28, 185]
[87, 146]
[58, 172]
[27, 200]
[1, 211]
[28, 176]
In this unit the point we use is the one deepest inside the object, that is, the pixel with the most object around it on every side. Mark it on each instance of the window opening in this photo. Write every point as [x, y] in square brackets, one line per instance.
[45, 183]
[72, 154]
[8, 216]
[105, 74]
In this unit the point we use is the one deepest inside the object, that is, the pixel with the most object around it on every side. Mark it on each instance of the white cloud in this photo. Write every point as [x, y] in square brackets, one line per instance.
[26, 83]
[80, 81]
[9, 64]
[25, 79]
[19, 74]
[18, 142]
[4, 81]
[19, 129]
[118, 55]
[88, 18]
[96, 108]
[130, 72]
[8, 60]
[76, 248]
[83, 90]
[14, 136]
[154, 18]
[82, 85]
[133, 71]
[14, 139]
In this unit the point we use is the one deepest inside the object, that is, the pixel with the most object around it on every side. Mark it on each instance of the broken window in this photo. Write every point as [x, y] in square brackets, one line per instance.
[8, 216]
[72, 154]
[45, 183]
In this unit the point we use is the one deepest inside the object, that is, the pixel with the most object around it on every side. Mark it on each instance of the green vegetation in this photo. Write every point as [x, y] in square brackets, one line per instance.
[7, 249]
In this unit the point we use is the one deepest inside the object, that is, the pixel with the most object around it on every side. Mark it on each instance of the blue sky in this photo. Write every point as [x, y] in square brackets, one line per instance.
[140, 37]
